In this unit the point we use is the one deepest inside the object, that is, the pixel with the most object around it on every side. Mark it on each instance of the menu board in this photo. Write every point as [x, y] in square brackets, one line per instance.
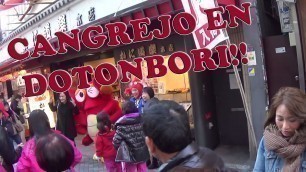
[41, 102]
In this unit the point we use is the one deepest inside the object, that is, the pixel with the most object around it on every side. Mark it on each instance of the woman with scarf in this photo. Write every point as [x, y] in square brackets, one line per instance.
[282, 147]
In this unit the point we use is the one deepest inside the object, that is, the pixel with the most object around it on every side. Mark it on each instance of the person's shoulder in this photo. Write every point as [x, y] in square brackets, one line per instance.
[208, 154]
[29, 146]
[208, 158]
[154, 99]
[262, 144]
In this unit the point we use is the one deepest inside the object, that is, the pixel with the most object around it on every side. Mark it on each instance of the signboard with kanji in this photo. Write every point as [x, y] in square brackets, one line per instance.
[203, 38]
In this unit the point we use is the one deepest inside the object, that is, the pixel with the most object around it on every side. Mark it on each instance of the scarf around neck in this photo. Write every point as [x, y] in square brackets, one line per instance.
[289, 149]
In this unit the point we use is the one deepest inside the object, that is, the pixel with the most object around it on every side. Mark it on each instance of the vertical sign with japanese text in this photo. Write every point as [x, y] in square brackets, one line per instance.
[203, 38]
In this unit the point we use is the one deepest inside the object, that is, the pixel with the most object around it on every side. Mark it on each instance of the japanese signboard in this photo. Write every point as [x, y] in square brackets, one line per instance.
[203, 38]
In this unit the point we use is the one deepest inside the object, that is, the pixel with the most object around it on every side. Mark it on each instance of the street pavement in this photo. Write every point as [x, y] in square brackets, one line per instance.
[87, 164]
[235, 157]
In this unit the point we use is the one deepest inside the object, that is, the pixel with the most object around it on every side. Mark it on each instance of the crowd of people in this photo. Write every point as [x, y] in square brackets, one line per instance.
[140, 140]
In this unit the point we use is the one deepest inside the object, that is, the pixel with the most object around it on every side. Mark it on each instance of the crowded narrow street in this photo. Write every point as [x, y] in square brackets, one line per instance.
[152, 85]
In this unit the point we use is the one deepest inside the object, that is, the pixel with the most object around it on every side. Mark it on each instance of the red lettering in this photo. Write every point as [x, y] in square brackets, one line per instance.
[162, 69]
[82, 75]
[43, 47]
[165, 24]
[178, 25]
[222, 54]
[214, 22]
[97, 41]
[12, 51]
[243, 15]
[30, 90]
[116, 30]
[127, 67]
[65, 77]
[185, 60]
[203, 55]
[112, 73]
[66, 39]
[140, 28]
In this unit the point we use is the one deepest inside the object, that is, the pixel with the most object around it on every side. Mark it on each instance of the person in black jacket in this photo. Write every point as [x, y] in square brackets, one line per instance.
[168, 138]
[149, 99]
[65, 108]
[8, 155]
[129, 132]
[15, 104]
[12, 118]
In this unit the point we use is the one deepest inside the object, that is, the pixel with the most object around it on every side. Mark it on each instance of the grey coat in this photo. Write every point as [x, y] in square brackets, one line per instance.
[150, 103]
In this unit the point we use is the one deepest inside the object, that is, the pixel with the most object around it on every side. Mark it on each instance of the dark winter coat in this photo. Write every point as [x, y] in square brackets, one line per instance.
[5, 123]
[7, 152]
[15, 108]
[194, 158]
[129, 129]
[150, 103]
[65, 122]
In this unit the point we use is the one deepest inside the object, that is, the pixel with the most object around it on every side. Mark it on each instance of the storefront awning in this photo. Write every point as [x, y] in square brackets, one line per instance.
[7, 4]
[146, 9]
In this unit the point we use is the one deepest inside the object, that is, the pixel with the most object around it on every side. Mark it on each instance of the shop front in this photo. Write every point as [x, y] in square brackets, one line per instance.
[171, 86]
[210, 97]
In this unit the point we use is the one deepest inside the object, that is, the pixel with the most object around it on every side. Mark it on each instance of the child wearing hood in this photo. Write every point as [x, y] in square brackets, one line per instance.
[129, 138]
[104, 145]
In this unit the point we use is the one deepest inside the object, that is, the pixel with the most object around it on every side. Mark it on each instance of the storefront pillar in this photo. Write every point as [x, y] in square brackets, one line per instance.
[203, 104]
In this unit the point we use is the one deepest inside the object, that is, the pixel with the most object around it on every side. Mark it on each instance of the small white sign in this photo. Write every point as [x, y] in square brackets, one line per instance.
[252, 58]
[280, 50]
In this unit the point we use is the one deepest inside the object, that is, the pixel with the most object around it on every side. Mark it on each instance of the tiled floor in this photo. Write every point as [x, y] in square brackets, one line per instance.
[88, 164]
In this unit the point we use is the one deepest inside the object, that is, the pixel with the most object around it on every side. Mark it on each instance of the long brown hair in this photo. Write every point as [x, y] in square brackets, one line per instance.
[295, 101]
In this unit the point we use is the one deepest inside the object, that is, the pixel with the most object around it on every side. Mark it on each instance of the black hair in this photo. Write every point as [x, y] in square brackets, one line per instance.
[10, 111]
[129, 107]
[17, 96]
[39, 124]
[167, 124]
[5, 103]
[104, 123]
[68, 98]
[54, 153]
[149, 90]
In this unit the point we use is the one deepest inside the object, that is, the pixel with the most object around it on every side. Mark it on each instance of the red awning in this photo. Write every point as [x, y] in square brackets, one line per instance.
[10, 3]
[226, 2]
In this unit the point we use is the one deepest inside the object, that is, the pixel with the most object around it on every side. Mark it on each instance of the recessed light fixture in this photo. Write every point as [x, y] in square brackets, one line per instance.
[90, 54]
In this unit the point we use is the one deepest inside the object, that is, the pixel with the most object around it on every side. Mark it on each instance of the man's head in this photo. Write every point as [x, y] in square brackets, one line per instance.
[166, 128]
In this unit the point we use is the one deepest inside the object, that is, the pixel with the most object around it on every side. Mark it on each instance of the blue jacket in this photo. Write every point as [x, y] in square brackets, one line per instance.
[139, 105]
[269, 161]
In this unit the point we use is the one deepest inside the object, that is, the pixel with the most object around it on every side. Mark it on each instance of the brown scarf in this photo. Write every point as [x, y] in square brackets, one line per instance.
[290, 150]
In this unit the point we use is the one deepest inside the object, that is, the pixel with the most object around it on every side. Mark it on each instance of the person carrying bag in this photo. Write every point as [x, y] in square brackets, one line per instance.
[17, 124]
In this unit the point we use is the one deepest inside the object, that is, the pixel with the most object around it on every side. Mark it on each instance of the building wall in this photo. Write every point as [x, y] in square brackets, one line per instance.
[301, 10]
[103, 8]
[268, 17]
